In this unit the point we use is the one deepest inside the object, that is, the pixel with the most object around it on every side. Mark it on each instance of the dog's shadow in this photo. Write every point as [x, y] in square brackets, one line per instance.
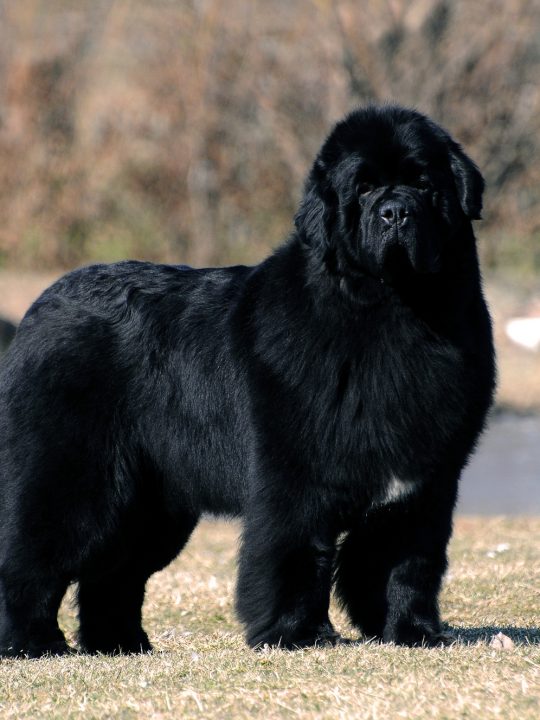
[474, 635]
[484, 634]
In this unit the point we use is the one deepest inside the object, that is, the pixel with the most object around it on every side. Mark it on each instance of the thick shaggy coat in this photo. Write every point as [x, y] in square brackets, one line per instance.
[7, 333]
[330, 396]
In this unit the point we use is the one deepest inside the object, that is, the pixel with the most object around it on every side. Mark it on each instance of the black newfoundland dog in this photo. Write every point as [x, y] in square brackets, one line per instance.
[330, 396]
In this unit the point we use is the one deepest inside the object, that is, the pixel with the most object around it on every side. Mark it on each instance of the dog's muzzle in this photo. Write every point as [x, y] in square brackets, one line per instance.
[395, 214]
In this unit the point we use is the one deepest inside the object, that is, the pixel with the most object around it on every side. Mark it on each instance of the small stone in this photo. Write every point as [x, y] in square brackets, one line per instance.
[501, 642]
[500, 548]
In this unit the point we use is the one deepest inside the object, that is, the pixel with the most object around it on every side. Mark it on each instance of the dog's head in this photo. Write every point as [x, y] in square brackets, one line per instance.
[388, 190]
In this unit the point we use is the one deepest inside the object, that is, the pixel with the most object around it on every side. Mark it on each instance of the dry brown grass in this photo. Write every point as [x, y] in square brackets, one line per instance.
[202, 669]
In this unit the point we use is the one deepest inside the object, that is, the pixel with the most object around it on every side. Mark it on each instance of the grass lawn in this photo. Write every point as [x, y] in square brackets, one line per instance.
[202, 669]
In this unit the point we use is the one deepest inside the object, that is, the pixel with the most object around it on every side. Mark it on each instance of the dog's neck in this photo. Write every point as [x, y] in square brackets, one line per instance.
[341, 283]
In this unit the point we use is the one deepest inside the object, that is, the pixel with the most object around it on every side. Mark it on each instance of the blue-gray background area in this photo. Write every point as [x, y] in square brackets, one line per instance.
[503, 476]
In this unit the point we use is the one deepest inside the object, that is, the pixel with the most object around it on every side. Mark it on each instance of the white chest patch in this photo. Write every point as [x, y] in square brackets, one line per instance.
[395, 491]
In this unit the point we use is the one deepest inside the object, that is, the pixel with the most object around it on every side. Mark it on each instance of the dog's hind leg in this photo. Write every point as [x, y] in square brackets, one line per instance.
[28, 615]
[110, 601]
[110, 613]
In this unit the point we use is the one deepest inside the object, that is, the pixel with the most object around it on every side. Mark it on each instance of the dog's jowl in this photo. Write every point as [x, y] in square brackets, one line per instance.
[335, 390]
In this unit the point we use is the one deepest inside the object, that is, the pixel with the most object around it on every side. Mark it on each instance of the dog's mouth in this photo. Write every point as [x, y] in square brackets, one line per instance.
[401, 260]
[396, 264]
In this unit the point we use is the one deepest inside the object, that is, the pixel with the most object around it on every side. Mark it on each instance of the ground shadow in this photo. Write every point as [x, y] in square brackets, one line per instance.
[472, 635]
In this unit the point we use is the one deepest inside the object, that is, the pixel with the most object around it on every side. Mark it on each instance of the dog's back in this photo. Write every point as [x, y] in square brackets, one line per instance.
[119, 384]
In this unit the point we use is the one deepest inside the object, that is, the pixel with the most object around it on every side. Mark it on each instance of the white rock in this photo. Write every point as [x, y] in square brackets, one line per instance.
[524, 332]
[501, 642]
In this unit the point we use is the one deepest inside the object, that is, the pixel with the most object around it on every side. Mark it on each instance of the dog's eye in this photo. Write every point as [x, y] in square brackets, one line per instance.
[364, 188]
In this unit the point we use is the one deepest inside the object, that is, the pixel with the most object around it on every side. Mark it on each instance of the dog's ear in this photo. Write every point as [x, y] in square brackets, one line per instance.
[469, 182]
[316, 214]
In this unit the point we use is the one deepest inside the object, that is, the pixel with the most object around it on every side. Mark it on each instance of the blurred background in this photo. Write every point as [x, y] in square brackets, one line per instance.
[181, 131]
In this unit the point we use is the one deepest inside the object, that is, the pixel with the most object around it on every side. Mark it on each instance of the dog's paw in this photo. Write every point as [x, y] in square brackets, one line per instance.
[288, 638]
[418, 635]
[33, 651]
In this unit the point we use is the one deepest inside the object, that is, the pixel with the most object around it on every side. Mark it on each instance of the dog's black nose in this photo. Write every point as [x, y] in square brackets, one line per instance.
[394, 212]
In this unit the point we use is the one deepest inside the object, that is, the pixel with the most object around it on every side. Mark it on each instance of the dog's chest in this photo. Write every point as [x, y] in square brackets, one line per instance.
[397, 401]
[391, 490]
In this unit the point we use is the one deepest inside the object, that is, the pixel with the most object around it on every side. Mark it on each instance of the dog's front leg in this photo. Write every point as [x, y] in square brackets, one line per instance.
[285, 573]
[414, 580]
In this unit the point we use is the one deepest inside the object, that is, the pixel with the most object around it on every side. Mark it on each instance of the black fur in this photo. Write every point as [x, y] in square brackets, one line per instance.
[330, 396]
[7, 333]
